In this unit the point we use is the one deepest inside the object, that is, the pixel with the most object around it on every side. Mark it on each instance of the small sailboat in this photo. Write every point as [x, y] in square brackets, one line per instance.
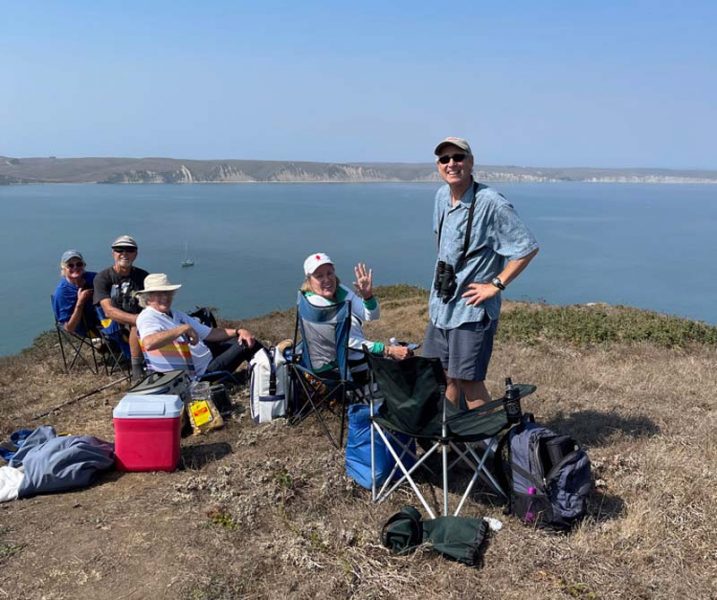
[187, 262]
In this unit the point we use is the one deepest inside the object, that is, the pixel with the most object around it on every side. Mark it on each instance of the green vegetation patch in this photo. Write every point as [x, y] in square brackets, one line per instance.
[400, 292]
[599, 324]
[220, 516]
[8, 549]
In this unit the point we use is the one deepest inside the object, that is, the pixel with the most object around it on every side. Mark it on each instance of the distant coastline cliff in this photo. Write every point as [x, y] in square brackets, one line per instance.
[170, 170]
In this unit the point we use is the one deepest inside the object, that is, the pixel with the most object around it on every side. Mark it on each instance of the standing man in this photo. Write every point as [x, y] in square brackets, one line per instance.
[115, 289]
[482, 247]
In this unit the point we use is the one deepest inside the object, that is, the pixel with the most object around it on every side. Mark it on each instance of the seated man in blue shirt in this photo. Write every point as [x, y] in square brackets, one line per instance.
[482, 246]
[72, 300]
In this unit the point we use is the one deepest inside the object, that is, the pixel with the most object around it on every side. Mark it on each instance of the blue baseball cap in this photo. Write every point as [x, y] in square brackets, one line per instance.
[69, 255]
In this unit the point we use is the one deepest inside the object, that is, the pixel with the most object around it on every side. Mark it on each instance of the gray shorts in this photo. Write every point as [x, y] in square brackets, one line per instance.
[464, 351]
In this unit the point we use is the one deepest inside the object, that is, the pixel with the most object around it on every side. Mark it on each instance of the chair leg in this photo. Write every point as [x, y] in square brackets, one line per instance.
[62, 349]
[480, 471]
[313, 406]
[76, 344]
[444, 452]
[344, 408]
[406, 473]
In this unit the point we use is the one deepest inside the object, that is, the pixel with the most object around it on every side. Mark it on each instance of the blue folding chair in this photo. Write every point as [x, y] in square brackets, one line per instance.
[320, 369]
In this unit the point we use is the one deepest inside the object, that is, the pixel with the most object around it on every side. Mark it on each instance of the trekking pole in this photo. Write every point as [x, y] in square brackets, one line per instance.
[82, 397]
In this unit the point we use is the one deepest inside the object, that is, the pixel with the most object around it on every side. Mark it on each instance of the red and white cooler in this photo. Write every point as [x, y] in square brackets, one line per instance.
[147, 432]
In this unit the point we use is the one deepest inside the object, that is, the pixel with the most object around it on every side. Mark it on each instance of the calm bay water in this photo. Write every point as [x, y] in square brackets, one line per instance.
[650, 246]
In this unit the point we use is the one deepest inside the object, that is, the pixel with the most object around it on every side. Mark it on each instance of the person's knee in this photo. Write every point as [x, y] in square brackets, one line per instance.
[476, 393]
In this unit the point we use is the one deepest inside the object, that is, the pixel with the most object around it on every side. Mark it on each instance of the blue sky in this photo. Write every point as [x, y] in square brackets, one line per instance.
[604, 84]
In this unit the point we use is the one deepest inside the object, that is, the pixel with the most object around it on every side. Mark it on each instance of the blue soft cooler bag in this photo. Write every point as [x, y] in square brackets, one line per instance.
[358, 449]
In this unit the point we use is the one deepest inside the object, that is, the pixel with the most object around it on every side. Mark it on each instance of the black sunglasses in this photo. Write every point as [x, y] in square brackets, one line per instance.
[124, 250]
[459, 158]
[77, 265]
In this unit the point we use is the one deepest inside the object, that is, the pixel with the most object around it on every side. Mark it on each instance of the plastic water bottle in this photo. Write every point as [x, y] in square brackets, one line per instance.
[494, 524]
[529, 514]
[511, 402]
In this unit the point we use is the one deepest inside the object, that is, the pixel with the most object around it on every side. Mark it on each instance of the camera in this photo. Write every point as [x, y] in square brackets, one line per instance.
[445, 281]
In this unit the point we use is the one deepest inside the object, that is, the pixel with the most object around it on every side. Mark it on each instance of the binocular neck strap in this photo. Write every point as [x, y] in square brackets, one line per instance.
[469, 226]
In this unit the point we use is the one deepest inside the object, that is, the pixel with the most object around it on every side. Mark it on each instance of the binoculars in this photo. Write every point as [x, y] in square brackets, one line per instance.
[445, 281]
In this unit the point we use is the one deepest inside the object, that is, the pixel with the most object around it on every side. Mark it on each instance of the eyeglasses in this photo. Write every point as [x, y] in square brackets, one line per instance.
[77, 265]
[445, 159]
[125, 250]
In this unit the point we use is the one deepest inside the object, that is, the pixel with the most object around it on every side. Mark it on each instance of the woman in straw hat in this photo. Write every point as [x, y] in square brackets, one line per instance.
[171, 339]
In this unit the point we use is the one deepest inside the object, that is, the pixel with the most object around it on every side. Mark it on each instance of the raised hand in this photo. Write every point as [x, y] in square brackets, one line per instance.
[364, 281]
[83, 296]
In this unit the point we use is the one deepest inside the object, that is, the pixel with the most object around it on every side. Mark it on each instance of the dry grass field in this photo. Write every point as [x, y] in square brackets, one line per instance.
[267, 511]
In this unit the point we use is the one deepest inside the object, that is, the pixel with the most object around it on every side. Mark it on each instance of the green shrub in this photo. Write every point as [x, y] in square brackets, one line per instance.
[598, 324]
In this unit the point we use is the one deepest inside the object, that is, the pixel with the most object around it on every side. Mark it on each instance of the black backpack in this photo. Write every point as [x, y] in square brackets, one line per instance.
[548, 475]
[205, 316]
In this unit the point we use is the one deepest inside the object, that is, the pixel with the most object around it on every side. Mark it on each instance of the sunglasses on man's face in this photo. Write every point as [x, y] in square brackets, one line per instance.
[77, 265]
[445, 159]
[125, 250]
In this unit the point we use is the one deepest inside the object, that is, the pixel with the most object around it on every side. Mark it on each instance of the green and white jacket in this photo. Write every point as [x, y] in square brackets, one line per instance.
[361, 310]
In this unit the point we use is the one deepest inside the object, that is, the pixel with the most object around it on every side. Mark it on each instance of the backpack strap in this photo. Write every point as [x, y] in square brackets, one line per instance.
[528, 475]
[469, 227]
[272, 372]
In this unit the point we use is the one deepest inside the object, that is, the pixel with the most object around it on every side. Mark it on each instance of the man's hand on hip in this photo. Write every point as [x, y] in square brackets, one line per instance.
[479, 292]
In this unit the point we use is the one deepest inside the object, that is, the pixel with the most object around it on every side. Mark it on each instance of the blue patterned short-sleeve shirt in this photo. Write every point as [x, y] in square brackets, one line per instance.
[497, 236]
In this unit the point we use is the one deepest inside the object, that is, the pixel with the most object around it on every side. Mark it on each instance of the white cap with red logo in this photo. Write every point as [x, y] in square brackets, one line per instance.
[314, 261]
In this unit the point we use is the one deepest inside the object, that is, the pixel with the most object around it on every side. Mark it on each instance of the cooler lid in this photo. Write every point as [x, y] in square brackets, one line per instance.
[142, 406]
[161, 382]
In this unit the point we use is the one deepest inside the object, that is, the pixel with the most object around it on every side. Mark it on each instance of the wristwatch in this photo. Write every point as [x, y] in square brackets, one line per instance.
[498, 283]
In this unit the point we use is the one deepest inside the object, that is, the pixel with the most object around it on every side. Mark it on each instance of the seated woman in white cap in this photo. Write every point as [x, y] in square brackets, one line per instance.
[72, 300]
[323, 288]
[172, 339]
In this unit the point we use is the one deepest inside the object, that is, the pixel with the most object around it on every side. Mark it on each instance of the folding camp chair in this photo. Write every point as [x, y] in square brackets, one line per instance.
[320, 369]
[76, 349]
[414, 405]
[102, 341]
[179, 353]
